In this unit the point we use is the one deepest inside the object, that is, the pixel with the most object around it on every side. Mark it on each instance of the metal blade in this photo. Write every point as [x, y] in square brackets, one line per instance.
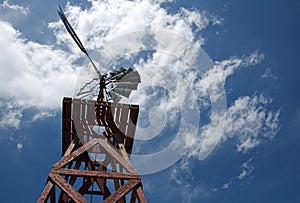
[127, 85]
[115, 97]
[123, 92]
[132, 76]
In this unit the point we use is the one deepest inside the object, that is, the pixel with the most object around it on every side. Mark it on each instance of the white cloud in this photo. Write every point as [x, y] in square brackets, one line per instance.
[32, 75]
[15, 7]
[247, 121]
[268, 74]
[35, 75]
[38, 76]
[19, 147]
[247, 170]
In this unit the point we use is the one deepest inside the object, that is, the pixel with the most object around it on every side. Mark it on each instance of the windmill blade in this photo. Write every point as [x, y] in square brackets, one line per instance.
[132, 76]
[123, 92]
[115, 97]
[83, 93]
[127, 85]
[76, 38]
[88, 83]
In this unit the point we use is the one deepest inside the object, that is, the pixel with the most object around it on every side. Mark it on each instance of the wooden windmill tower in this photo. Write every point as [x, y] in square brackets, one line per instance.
[97, 140]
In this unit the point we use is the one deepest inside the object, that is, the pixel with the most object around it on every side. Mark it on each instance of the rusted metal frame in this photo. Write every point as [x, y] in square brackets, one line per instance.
[67, 188]
[122, 191]
[95, 174]
[46, 192]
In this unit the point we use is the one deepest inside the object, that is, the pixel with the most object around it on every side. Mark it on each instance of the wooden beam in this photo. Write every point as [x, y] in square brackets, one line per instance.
[66, 159]
[122, 191]
[67, 188]
[111, 150]
[95, 174]
[45, 194]
[133, 196]
[52, 195]
[140, 195]
[71, 147]
[125, 156]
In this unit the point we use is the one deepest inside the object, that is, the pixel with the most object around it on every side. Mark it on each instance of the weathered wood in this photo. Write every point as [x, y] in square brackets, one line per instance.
[140, 195]
[67, 188]
[122, 191]
[75, 154]
[95, 174]
[111, 150]
[125, 156]
[71, 147]
[66, 124]
[45, 194]
[52, 195]
[133, 196]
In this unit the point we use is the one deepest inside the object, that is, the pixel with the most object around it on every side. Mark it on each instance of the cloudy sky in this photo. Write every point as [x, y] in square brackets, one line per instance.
[220, 113]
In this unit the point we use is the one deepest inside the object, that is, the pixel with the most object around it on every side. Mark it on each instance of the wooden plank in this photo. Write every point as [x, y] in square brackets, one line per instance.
[45, 194]
[76, 109]
[91, 113]
[117, 116]
[124, 119]
[131, 129]
[67, 188]
[121, 192]
[95, 174]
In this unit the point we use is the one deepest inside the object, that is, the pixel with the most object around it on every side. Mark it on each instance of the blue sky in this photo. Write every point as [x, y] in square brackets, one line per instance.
[253, 46]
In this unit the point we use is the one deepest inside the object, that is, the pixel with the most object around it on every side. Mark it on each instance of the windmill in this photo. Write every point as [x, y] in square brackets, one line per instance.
[110, 178]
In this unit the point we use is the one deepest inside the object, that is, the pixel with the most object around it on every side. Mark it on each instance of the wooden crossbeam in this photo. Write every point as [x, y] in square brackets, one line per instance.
[67, 188]
[95, 174]
[45, 194]
[122, 191]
